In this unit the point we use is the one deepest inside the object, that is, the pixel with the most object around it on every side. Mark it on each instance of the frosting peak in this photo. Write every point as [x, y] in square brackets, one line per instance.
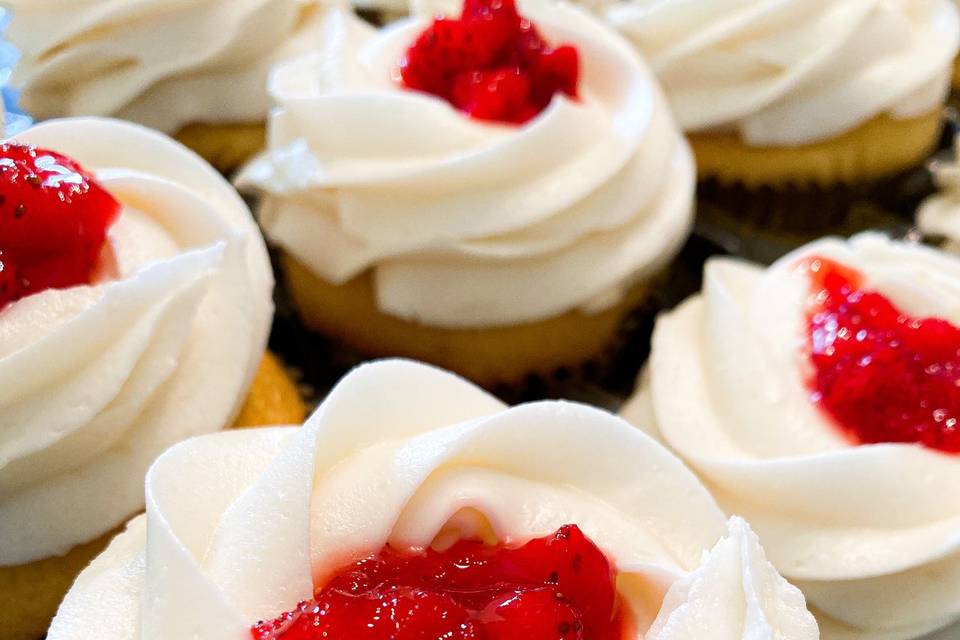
[737, 588]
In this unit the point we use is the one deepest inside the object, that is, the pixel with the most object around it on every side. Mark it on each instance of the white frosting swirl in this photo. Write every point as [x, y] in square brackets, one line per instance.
[794, 71]
[466, 223]
[162, 63]
[869, 532]
[96, 381]
[241, 525]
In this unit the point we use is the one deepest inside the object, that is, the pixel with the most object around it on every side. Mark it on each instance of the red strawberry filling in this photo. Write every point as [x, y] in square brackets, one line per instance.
[881, 374]
[491, 63]
[560, 587]
[54, 219]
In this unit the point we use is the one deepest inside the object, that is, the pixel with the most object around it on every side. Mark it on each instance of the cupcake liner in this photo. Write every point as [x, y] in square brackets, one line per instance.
[764, 223]
[837, 187]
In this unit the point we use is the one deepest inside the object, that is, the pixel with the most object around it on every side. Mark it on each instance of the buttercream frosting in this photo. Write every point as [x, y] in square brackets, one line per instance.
[161, 63]
[96, 381]
[464, 223]
[870, 533]
[241, 525]
[791, 72]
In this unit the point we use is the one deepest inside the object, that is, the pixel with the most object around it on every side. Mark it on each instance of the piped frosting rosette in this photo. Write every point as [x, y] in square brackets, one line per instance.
[794, 72]
[162, 63]
[871, 533]
[96, 381]
[243, 525]
[512, 223]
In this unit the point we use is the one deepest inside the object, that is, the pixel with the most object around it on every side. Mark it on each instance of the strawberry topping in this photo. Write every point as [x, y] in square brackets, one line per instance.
[54, 219]
[560, 587]
[491, 63]
[879, 373]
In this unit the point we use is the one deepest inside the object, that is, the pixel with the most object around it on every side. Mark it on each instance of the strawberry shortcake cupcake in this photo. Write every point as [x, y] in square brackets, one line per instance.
[135, 303]
[413, 505]
[493, 191]
[820, 399]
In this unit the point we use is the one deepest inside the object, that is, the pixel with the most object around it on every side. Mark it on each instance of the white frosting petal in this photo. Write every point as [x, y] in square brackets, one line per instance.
[792, 72]
[162, 63]
[870, 532]
[97, 380]
[738, 593]
[512, 224]
[241, 525]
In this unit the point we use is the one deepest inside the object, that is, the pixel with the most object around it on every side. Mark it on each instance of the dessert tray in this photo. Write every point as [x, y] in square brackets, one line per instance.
[614, 369]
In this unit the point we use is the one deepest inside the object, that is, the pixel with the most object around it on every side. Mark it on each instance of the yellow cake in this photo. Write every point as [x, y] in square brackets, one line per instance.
[225, 146]
[881, 147]
[488, 356]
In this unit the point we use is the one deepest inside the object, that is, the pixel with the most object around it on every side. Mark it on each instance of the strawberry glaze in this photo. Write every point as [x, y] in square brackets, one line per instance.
[879, 373]
[490, 63]
[560, 587]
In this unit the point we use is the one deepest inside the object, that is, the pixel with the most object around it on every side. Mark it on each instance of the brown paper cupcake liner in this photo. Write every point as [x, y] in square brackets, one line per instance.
[812, 211]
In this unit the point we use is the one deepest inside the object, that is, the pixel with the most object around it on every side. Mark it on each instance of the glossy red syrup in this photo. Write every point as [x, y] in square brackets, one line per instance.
[560, 587]
[491, 63]
[54, 219]
[882, 375]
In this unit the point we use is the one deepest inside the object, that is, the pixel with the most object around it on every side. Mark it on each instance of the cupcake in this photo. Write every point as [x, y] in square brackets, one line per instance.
[414, 505]
[501, 227]
[194, 70]
[135, 302]
[795, 109]
[818, 399]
